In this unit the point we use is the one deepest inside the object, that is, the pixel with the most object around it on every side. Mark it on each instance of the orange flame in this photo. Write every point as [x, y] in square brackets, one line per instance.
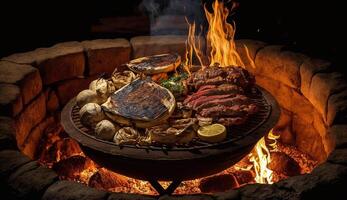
[260, 157]
[219, 39]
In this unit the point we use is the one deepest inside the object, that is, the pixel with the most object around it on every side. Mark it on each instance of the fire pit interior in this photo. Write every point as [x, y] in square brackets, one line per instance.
[259, 121]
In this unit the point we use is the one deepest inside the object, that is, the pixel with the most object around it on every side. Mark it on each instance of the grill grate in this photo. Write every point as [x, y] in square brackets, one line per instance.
[235, 133]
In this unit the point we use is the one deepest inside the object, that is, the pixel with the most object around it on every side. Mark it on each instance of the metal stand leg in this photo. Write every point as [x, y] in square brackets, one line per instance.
[169, 190]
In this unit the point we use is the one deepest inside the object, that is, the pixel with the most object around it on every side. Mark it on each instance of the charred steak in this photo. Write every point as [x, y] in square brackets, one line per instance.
[219, 75]
[155, 64]
[142, 100]
[221, 94]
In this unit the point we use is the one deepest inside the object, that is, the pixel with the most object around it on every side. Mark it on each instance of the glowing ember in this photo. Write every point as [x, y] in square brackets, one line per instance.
[64, 155]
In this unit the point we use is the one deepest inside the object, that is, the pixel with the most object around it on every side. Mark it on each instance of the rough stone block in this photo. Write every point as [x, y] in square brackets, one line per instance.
[10, 160]
[70, 88]
[121, 196]
[339, 132]
[288, 98]
[308, 69]
[7, 132]
[337, 109]
[31, 180]
[324, 85]
[25, 76]
[247, 50]
[283, 66]
[338, 156]
[186, 197]
[228, 195]
[151, 45]
[52, 101]
[308, 140]
[284, 126]
[31, 143]
[105, 55]
[62, 190]
[32, 115]
[11, 103]
[260, 191]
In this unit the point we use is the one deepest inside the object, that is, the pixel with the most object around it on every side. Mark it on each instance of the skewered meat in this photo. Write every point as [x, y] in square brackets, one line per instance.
[220, 75]
[155, 64]
[142, 103]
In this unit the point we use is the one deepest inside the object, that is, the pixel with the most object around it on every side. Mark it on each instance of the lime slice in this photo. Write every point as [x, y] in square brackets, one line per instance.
[212, 133]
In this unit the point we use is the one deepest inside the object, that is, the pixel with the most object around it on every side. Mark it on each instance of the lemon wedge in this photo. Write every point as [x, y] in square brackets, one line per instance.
[212, 133]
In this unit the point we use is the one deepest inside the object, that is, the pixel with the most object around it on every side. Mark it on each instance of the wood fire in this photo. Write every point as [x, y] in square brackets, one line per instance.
[72, 164]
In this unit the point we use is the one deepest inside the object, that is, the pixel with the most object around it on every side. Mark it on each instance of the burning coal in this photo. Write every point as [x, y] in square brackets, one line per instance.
[269, 162]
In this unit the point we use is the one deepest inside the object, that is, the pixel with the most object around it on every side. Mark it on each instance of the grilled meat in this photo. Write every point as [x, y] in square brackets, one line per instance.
[219, 75]
[228, 111]
[237, 100]
[155, 64]
[221, 89]
[202, 99]
[141, 100]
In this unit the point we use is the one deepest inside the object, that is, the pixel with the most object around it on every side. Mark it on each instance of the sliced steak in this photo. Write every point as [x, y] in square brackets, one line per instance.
[222, 89]
[237, 100]
[202, 99]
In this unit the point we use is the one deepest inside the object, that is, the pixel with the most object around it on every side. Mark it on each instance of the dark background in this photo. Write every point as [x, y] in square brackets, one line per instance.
[315, 28]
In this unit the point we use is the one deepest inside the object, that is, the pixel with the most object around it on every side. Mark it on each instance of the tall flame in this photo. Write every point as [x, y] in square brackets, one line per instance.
[260, 157]
[220, 39]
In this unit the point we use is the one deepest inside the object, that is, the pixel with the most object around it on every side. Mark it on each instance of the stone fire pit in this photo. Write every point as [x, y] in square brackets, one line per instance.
[35, 85]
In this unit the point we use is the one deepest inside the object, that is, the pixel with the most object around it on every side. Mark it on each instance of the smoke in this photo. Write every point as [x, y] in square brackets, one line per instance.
[168, 17]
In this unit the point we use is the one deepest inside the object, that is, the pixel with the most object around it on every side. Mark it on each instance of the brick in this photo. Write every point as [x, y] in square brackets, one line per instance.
[25, 76]
[72, 190]
[324, 85]
[11, 103]
[105, 55]
[32, 141]
[247, 50]
[151, 45]
[283, 66]
[52, 100]
[337, 108]
[308, 69]
[32, 115]
[70, 88]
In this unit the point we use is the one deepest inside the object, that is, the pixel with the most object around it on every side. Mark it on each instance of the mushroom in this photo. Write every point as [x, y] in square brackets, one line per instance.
[104, 88]
[87, 96]
[91, 114]
[106, 130]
